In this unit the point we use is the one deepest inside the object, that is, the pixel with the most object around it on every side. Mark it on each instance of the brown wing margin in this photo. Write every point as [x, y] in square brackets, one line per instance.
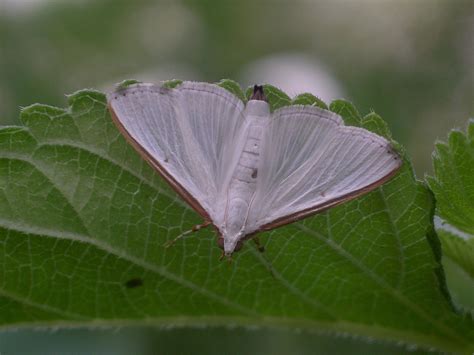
[185, 195]
[331, 203]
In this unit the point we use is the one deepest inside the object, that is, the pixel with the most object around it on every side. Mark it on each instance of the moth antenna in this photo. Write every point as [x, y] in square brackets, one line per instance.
[229, 257]
[192, 230]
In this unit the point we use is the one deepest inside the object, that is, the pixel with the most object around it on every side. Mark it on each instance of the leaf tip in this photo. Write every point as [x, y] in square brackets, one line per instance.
[347, 111]
[310, 100]
[126, 83]
[86, 95]
[374, 123]
[29, 112]
[171, 84]
[233, 87]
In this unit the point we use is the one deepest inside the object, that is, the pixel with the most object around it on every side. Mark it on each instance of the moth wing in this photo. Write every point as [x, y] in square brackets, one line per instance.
[186, 134]
[310, 161]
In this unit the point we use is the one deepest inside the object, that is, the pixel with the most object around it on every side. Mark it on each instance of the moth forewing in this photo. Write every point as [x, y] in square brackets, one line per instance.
[181, 132]
[155, 164]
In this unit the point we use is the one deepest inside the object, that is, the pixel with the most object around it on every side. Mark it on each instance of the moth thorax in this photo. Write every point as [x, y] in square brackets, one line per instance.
[257, 108]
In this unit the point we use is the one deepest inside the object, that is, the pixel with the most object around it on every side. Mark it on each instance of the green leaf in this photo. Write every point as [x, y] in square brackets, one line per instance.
[347, 111]
[309, 99]
[83, 220]
[171, 84]
[458, 246]
[453, 183]
[460, 285]
[233, 87]
[371, 121]
[126, 83]
[453, 187]
[376, 124]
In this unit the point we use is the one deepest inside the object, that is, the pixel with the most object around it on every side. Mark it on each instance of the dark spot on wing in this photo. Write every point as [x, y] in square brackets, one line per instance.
[254, 173]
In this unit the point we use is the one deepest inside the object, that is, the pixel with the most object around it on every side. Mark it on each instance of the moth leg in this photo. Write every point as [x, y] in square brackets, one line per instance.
[229, 258]
[192, 230]
[260, 247]
[222, 256]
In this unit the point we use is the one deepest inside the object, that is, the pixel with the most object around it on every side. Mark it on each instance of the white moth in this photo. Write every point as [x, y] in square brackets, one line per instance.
[243, 168]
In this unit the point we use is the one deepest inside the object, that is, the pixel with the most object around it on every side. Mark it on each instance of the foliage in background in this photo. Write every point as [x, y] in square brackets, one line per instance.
[83, 222]
[453, 187]
[413, 63]
[453, 183]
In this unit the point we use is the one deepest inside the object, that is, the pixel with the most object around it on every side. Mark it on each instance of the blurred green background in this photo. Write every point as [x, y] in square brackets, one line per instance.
[410, 61]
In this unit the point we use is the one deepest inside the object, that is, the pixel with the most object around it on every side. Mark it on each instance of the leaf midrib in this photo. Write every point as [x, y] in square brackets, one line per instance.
[396, 232]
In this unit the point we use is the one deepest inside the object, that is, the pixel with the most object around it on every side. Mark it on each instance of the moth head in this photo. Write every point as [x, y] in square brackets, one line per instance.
[230, 247]
[258, 93]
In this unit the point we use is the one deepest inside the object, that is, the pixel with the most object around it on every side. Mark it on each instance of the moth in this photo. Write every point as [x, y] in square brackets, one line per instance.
[243, 168]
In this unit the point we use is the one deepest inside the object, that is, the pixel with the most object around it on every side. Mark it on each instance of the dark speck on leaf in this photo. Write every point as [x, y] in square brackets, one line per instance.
[133, 283]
